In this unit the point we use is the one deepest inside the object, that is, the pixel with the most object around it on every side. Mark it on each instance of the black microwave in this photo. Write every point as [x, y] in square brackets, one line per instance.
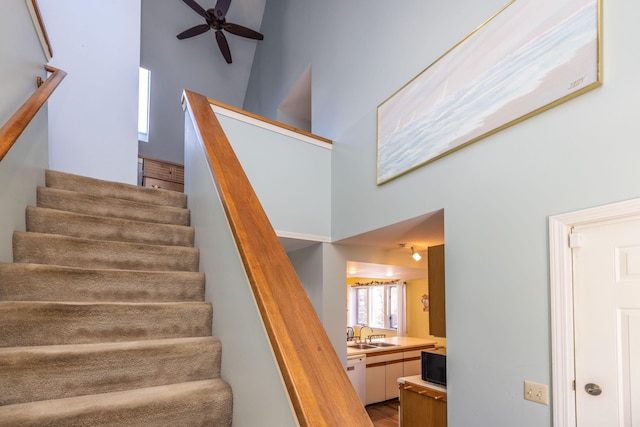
[434, 367]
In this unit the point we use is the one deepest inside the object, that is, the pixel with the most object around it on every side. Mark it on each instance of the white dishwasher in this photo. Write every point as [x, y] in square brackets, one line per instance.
[356, 371]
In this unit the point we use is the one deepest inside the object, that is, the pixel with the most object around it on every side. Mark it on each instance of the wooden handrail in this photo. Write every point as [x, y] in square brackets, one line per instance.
[318, 386]
[13, 128]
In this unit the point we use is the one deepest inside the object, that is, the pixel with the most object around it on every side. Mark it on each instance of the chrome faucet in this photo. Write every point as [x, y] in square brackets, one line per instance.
[350, 333]
[362, 338]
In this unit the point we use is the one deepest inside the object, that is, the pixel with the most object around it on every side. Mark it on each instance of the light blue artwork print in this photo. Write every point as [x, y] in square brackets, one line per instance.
[526, 58]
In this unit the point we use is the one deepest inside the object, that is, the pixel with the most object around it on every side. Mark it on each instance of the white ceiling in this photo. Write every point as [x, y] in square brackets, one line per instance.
[420, 232]
[247, 13]
[381, 271]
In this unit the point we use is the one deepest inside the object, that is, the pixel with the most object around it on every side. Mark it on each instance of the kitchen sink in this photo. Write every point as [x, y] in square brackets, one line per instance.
[383, 344]
[362, 346]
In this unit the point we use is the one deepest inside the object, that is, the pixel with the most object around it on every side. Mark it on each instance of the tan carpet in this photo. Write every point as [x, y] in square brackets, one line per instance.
[102, 314]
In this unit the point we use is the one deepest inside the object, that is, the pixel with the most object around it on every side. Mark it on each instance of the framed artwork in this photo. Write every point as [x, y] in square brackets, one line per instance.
[38, 23]
[528, 57]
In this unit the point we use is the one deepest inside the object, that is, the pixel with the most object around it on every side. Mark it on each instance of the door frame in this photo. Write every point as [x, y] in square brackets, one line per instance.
[561, 293]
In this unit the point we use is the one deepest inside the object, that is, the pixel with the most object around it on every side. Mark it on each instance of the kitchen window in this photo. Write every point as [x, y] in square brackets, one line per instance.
[377, 306]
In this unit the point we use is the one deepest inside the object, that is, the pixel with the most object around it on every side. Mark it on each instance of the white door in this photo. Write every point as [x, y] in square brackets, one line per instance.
[606, 262]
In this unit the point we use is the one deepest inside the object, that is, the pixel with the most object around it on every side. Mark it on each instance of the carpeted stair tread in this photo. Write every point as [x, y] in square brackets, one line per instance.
[38, 282]
[59, 371]
[55, 198]
[39, 248]
[97, 187]
[24, 323]
[193, 404]
[53, 221]
[103, 319]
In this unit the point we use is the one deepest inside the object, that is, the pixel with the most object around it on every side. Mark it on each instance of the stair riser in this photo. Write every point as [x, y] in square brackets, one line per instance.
[33, 282]
[115, 208]
[197, 404]
[52, 221]
[39, 373]
[42, 323]
[39, 248]
[114, 190]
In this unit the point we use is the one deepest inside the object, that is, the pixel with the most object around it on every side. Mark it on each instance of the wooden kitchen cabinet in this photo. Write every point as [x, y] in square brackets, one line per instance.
[422, 406]
[437, 300]
[162, 174]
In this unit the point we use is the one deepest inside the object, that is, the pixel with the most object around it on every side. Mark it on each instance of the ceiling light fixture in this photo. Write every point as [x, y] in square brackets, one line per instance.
[415, 255]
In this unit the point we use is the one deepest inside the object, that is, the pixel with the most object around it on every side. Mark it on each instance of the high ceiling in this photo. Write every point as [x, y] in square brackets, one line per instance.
[246, 13]
[420, 232]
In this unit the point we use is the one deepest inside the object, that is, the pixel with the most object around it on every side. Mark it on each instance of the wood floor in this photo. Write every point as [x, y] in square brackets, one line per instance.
[384, 414]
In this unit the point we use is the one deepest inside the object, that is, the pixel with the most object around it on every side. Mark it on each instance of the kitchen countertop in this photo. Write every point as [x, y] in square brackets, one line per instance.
[400, 343]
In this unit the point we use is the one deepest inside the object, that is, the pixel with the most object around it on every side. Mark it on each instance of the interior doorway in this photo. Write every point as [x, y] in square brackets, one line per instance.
[386, 256]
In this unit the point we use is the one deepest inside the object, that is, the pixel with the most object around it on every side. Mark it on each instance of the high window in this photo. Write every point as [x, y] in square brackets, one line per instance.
[144, 89]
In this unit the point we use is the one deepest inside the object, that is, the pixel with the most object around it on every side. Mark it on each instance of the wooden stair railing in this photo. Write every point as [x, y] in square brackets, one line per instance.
[13, 128]
[316, 381]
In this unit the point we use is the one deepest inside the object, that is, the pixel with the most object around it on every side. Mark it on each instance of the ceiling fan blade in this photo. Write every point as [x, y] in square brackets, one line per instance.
[239, 30]
[193, 31]
[221, 8]
[224, 46]
[196, 7]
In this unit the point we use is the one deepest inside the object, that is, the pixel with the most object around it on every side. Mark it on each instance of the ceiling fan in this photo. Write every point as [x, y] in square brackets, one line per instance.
[216, 20]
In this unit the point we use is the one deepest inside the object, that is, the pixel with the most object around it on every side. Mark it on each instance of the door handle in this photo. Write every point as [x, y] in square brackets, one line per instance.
[593, 389]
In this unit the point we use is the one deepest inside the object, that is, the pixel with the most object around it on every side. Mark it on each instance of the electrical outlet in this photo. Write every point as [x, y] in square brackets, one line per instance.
[535, 392]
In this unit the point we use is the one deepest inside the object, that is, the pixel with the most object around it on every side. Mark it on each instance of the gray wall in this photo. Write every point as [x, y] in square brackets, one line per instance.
[195, 64]
[93, 115]
[497, 193]
[308, 265]
[294, 185]
[22, 169]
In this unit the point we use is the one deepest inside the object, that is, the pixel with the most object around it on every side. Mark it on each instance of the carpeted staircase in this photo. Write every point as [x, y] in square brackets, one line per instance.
[102, 314]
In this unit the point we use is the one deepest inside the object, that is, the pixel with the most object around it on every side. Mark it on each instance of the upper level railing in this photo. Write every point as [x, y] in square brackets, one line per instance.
[318, 387]
[264, 120]
[18, 122]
